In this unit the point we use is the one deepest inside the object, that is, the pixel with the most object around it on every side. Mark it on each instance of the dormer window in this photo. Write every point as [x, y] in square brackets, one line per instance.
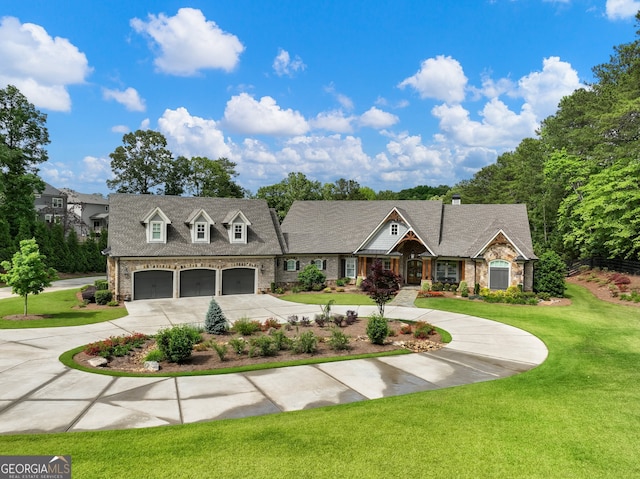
[200, 224]
[238, 232]
[156, 223]
[200, 231]
[156, 231]
[394, 229]
[237, 223]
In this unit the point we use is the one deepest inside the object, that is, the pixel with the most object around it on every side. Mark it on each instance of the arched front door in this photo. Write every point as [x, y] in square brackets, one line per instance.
[414, 271]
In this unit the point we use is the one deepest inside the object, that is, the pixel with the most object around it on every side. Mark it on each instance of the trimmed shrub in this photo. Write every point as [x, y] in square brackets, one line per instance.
[246, 327]
[101, 284]
[215, 322]
[103, 296]
[264, 345]
[549, 275]
[311, 278]
[177, 343]
[306, 343]
[338, 341]
[377, 329]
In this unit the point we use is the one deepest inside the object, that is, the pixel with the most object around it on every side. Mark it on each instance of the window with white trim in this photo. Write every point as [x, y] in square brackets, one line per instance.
[499, 273]
[156, 231]
[394, 229]
[386, 264]
[48, 218]
[201, 232]
[290, 265]
[350, 267]
[56, 202]
[319, 264]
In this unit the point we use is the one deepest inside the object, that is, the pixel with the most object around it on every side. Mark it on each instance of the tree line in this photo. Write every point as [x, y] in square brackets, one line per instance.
[580, 177]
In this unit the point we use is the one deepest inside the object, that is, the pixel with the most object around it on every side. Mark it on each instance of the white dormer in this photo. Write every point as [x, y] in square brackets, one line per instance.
[156, 223]
[236, 223]
[200, 225]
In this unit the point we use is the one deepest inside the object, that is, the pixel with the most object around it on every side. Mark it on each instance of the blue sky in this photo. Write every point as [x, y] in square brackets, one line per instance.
[393, 94]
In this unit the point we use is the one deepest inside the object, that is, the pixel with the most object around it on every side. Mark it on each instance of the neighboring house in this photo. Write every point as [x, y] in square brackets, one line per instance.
[419, 240]
[51, 205]
[169, 246]
[89, 213]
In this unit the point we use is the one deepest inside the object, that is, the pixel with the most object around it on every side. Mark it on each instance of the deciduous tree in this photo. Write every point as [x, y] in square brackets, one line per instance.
[142, 164]
[27, 272]
[381, 285]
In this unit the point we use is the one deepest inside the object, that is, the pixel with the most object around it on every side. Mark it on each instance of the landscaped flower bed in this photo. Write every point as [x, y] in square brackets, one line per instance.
[254, 343]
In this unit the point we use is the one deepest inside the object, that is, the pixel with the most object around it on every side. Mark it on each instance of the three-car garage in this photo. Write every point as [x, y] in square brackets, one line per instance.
[154, 284]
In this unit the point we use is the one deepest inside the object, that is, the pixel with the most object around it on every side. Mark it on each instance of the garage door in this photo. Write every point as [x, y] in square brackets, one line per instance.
[197, 282]
[152, 284]
[238, 281]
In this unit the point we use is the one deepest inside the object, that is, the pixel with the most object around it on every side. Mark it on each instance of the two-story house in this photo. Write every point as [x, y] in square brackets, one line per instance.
[88, 213]
[51, 205]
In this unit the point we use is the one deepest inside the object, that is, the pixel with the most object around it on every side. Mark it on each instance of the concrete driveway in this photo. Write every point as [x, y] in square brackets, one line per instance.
[39, 394]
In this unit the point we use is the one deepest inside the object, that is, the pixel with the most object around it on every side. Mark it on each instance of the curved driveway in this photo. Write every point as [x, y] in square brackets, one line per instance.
[39, 394]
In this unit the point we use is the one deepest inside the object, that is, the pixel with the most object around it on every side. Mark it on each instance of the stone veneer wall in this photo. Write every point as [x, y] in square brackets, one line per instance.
[521, 273]
[265, 267]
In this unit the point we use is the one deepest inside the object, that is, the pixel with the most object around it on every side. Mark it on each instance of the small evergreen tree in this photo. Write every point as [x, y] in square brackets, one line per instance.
[381, 285]
[549, 275]
[27, 272]
[215, 321]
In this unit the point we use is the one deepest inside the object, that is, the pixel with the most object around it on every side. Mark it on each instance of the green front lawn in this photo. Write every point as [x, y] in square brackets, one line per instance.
[59, 305]
[576, 415]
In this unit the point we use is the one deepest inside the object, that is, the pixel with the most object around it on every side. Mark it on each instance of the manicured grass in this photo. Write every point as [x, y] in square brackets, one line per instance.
[343, 299]
[59, 305]
[574, 416]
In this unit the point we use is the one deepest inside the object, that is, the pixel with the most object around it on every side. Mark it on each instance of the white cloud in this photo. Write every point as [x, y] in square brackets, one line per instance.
[129, 98]
[144, 124]
[441, 78]
[120, 129]
[325, 157]
[191, 135]
[333, 121]
[95, 170]
[188, 42]
[544, 90]
[284, 65]
[39, 65]
[499, 128]
[376, 118]
[620, 9]
[243, 114]
[344, 100]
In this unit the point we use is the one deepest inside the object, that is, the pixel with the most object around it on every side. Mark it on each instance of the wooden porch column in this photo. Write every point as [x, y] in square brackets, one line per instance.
[424, 269]
[463, 268]
[429, 263]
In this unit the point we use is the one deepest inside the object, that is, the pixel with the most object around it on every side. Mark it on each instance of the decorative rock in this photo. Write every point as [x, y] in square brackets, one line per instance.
[97, 362]
[152, 365]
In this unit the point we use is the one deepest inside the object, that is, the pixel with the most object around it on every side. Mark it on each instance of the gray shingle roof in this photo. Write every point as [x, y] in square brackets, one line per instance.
[340, 227]
[127, 236]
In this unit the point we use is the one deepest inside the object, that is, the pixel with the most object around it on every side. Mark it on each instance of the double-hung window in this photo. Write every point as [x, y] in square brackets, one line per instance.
[56, 202]
[156, 231]
[350, 267]
[201, 232]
